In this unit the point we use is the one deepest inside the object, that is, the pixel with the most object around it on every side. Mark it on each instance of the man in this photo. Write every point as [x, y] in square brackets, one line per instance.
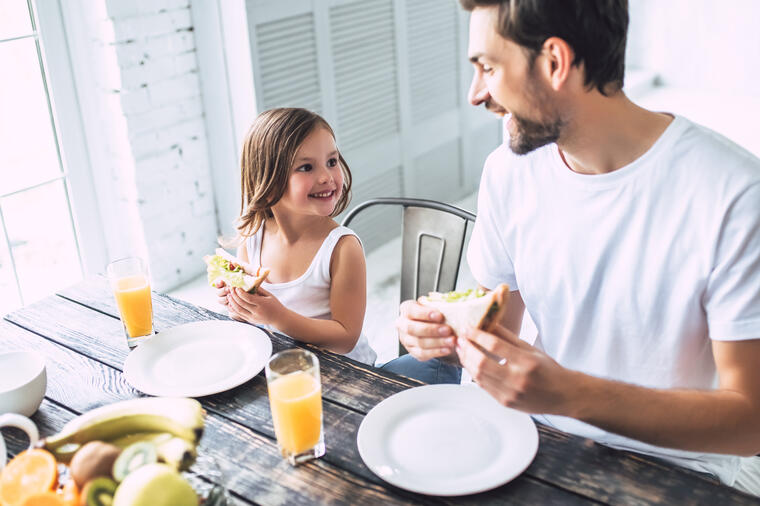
[632, 238]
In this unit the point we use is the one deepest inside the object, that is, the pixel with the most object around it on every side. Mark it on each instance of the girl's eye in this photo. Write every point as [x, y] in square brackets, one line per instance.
[332, 162]
[487, 69]
[304, 168]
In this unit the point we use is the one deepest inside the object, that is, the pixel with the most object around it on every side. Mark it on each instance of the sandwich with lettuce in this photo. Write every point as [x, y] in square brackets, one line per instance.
[225, 267]
[474, 307]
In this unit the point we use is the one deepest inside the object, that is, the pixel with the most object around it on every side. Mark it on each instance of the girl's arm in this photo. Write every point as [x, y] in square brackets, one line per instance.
[348, 299]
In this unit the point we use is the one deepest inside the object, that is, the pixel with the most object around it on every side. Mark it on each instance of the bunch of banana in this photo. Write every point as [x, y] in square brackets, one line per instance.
[176, 422]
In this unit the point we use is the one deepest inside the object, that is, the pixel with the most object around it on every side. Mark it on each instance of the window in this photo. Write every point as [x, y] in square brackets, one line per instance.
[39, 247]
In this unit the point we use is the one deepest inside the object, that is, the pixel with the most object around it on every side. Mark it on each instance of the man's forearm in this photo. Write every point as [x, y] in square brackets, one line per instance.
[719, 421]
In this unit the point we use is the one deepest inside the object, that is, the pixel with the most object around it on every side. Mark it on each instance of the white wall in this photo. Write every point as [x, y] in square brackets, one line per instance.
[709, 45]
[136, 73]
[705, 55]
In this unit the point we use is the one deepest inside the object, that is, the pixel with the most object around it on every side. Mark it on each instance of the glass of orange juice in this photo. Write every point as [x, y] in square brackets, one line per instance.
[295, 398]
[131, 288]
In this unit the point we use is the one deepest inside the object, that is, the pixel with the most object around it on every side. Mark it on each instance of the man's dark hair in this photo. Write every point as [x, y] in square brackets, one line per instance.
[595, 29]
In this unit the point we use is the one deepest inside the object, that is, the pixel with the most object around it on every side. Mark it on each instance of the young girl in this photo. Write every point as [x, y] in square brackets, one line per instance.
[294, 180]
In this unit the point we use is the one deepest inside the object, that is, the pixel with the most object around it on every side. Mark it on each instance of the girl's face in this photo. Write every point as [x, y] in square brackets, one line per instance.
[316, 181]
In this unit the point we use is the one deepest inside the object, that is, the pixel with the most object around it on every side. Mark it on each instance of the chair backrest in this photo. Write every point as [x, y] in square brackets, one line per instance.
[432, 242]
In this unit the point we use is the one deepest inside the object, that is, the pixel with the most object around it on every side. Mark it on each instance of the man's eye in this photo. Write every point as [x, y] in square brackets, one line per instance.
[332, 162]
[304, 168]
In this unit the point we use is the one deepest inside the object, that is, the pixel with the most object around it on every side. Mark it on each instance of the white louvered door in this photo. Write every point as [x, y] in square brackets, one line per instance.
[391, 77]
[288, 63]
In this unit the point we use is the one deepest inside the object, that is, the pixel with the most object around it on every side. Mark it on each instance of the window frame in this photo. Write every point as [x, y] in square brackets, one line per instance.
[69, 128]
[229, 97]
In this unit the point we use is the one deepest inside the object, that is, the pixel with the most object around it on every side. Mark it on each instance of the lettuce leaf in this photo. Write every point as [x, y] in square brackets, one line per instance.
[458, 296]
[218, 267]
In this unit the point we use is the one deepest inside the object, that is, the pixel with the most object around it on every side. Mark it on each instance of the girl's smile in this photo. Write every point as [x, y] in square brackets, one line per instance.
[323, 195]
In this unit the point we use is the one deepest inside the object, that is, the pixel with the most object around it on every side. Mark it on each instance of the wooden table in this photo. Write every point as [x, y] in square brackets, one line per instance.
[79, 334]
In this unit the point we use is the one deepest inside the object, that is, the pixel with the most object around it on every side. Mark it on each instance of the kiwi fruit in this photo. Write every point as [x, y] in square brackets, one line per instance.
[93, 460]
[134, 456]
[98, 492]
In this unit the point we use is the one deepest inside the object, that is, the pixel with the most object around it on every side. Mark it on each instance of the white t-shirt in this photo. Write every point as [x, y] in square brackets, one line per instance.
[309, 294]
[629, 275]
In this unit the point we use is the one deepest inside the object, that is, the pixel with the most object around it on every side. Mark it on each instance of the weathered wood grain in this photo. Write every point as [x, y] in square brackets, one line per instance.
[623, 477]
[73, 379]
[248, 460]
[247, 405]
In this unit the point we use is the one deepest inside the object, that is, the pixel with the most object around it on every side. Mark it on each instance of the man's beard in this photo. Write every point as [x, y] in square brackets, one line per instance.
[532, 135]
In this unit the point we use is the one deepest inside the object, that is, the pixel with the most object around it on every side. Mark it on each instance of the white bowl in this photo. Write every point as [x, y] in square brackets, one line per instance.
[22, 382]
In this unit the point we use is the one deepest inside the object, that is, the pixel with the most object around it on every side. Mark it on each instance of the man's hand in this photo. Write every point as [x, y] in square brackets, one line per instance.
[422, 332]
[515, 373]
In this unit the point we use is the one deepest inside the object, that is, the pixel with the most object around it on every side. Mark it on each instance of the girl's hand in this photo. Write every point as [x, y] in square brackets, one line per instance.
[222, 291]
[261, 307]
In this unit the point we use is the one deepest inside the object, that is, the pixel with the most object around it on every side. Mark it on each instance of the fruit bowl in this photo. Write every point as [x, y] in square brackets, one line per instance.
[132, 453]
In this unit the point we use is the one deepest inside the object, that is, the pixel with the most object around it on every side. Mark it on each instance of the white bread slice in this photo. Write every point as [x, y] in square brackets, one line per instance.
[477, 312]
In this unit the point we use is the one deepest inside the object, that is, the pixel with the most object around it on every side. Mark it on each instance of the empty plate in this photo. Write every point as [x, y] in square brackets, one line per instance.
[446, 440]
[197, 359]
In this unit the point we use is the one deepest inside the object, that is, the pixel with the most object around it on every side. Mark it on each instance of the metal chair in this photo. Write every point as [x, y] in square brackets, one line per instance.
[432, 242]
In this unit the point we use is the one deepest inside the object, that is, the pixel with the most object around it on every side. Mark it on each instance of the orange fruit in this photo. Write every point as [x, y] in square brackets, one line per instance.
[29, 472]
[70, 493]
[43, 499]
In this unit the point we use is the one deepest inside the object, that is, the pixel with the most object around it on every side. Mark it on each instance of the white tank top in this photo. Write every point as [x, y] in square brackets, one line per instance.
[309, 294]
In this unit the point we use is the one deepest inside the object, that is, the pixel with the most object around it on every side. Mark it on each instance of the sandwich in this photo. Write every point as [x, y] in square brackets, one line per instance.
[475, 308]
[225, 267]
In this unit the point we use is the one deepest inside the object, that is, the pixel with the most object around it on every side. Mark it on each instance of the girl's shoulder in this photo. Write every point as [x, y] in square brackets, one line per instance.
[347, 249]
[336, 234]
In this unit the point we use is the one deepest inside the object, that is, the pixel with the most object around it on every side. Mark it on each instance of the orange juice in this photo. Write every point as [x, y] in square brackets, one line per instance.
[296, 402]
[133, 298]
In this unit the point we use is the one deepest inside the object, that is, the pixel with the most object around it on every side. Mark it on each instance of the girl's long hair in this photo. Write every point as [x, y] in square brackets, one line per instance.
[269, 152]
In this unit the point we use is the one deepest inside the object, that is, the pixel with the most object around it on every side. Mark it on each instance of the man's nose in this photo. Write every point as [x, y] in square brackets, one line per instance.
[478, 92]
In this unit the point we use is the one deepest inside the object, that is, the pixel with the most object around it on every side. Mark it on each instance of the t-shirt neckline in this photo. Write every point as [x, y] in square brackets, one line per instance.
[615, 177]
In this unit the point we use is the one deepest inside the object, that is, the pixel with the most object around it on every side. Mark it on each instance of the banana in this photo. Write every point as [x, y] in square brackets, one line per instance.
[136, 437]
[180, 417]
[185, 411]
[178, 453]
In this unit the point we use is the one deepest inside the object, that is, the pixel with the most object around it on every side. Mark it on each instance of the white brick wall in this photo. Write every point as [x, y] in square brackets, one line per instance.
[137, 74]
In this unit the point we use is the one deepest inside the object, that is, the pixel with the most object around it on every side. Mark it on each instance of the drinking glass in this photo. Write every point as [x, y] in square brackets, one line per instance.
[131, 288]
[295, 398]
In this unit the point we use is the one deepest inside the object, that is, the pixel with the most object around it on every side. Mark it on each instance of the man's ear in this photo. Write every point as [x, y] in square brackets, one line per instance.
[558, 59]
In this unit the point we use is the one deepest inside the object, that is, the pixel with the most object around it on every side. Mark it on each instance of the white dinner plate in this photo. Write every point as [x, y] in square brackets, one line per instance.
[197, 359]
[446, 440]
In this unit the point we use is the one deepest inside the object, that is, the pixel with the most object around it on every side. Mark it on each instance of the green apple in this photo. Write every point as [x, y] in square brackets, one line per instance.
[155, 485]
